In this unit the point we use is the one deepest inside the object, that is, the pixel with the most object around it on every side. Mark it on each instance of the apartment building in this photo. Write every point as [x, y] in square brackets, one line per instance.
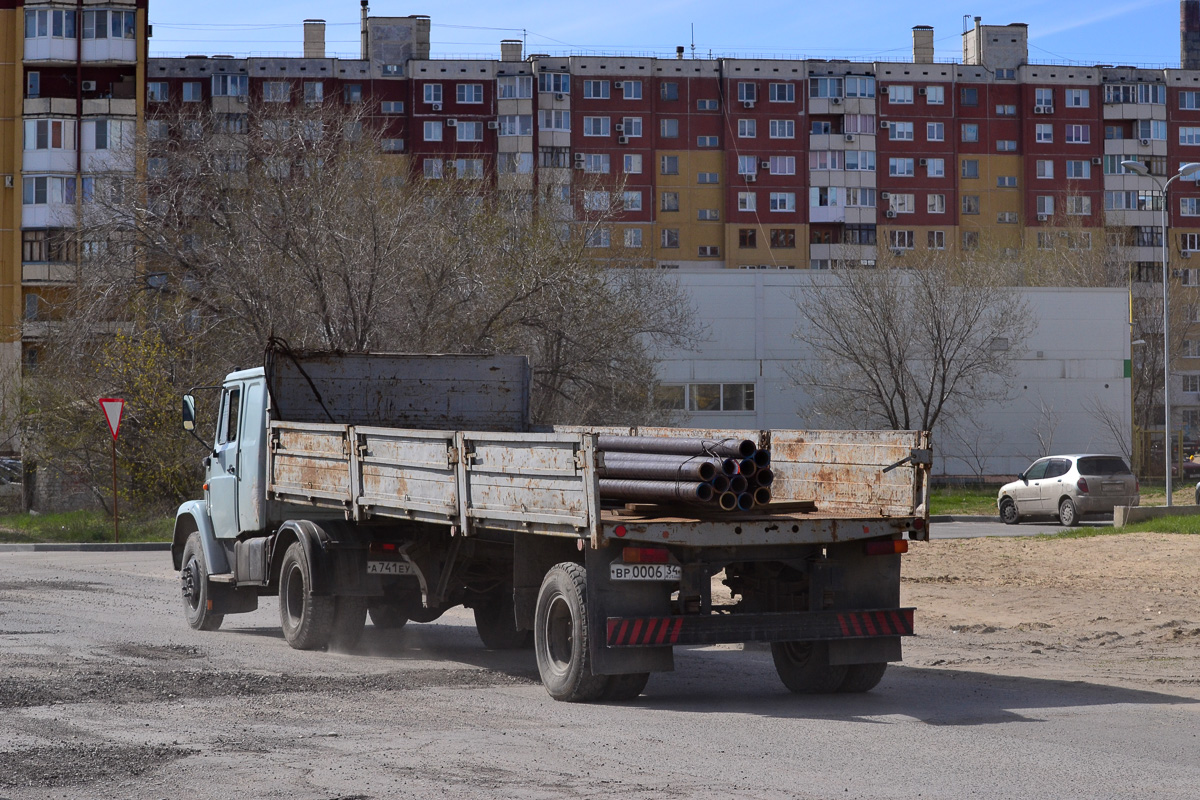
[71, 93]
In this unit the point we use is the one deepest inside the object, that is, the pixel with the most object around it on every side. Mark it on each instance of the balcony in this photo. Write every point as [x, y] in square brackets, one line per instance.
[1135, 111]
[47, 273]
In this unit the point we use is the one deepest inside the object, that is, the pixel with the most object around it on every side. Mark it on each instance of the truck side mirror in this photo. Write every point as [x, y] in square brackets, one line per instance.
[189, 413]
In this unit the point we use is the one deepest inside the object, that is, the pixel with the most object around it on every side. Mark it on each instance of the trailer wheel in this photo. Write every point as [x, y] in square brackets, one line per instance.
[307, 621]
[626, 687]
[862, 677]
[385, 614]
[496, 623]
[804, 667]
[196, 597]
[349, 618]
[561, 634]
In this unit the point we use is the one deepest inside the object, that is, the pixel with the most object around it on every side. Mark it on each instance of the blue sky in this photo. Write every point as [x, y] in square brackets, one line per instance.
[1100, 31]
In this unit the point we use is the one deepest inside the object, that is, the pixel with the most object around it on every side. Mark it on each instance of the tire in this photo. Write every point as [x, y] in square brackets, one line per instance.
[1068, 515]
[307, 621]
[804, 667]
[196, 594]
[862, 677]
[625, 687]
[496, 623]
[385, 614]
[1008, 512]
[561, 637]
[349, 619]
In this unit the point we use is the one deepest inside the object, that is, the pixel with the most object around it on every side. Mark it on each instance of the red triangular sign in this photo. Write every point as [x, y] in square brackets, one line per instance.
[112, 412]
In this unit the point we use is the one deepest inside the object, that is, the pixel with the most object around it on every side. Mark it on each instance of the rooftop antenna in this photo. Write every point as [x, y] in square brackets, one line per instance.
[966, 23]
[693, 41]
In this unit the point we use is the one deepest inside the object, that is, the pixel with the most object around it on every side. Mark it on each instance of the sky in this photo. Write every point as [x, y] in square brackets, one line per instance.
[1141, 32]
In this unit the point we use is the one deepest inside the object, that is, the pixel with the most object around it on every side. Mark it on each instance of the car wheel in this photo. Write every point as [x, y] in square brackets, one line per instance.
[1008, 512]
[1067, 513]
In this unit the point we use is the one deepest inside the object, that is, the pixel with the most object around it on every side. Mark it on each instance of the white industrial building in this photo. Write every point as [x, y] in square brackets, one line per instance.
[1070, 377]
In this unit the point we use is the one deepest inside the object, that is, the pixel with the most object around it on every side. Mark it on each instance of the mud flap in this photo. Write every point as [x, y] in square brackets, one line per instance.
[607, 598]
[864, 651]
[227, 600]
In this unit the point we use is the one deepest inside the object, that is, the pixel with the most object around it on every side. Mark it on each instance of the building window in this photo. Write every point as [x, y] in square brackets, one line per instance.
[595, 126]
[747, 165]
[969, 96]
[706, 105]
[631, 90]
[633, 237]
[900, 131]
[595, 90]
[782, 92]
[903, 203]
[352, 93]
[824, 87]
[782, 129]
[469, 93]
[50, 134]
[669, 165]
[598, 237]
[970, 240]
[1007, 218]
[1078, 98]
[392, 107]
[596, 163]
[708, 177]
[230, 85]
[393, 145]
[632, 164]
[860, 234]
[935, 167]
[1006, 182]
[747, 92]
[1006, 145]
[900, 167]
[1189, 100]
[469, 131]
[669, 128]
[314, 92]
[747, 237]
[783, 201]
[747, 128]
[860, 86]
[900, 94]
[783, 165]
[936, 240]
[276, 91]
[1043, 98]
[970, 204]
[670, 237]
[1006, 111]
[1079, 205]
[708, 214]
[783, 238]
[935, 131]
[515, 125]
[1006, 74]
[708, 250]
[192, 92]
[668, 90]
[900, 240]
[1045, 205]
[548, 120]
[555, 82]
[970, 168]
[936, 204]
[669, 201]
[1079, 170]
[747, 201]
[970, 132]
[860, 197]
[514, 87]
[1045, 168]
[1044, 132]
[935, 95]
[1079, 134]
[631, 126]
[699, 397]
[433, 130]
[433, 93]
[860, 160]
[707, 141]
[824, 160]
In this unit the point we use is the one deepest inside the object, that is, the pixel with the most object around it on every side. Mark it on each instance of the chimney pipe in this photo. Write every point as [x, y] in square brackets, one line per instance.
[510, 49]
[679, 52]
[365, 9]
[922, 44]
[1189, 34]
[314, 38]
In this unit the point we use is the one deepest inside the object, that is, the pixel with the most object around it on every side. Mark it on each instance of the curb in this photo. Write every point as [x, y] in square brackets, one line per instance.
[97, 547]
[963, 518]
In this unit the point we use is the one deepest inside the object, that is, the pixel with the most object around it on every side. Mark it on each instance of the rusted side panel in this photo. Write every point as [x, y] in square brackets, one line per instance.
[538, 483]
[843, 470]
[409, 474]
[451, 392]
[309, 463]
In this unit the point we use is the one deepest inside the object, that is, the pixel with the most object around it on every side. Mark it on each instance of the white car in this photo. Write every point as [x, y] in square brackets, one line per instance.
[1069, 487]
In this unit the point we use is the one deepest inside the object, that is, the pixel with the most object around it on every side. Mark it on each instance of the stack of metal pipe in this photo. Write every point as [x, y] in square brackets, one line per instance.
[732, 474]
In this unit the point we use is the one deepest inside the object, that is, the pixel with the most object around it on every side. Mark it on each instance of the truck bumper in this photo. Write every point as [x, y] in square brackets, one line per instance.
[771, 627]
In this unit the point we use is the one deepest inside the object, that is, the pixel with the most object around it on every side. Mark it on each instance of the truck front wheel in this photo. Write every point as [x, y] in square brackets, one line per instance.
[804, 667]
[560, 636]
[307, 621]
[196, 596]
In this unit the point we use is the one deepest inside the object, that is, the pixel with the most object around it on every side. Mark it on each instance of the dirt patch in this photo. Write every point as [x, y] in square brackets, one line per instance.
[80, 764]
[49, 586]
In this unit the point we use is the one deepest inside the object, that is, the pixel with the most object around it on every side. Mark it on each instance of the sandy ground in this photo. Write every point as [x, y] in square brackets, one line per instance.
[1119, 610]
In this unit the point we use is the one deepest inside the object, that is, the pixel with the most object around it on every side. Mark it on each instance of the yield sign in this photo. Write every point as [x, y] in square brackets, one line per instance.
[112, 408]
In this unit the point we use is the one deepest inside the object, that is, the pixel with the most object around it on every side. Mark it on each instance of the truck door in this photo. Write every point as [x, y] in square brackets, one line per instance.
[224, 467]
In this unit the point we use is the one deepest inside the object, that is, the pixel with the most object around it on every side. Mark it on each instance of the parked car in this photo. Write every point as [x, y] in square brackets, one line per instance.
[1069, 487]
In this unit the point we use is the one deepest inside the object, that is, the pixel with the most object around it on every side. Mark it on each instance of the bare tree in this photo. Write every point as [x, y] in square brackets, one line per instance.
[900, 345]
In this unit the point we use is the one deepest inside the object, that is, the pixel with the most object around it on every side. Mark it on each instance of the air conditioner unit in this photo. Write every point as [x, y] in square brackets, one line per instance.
[764, 164]
[1186, 254]
[451, 123]
[89, 86]
[1097, 160]
[8, 181]
[922, 162]
[559, 96]
[1144, 142]
[619, 127]
[747, 104]
[1043, 217]
[891, 214]
[493, 125]
[622, 140]
[437, 106]
[751, 178]
[617, 85]
[580, 157]
[1039, 109]
[837, 101]
[883, 124]
[921, 91]
[578, 165]
[883, 90]
[849, 137]
[885, 195]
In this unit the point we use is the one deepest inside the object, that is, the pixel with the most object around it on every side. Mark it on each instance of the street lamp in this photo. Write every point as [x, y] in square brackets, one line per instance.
[1187, 169]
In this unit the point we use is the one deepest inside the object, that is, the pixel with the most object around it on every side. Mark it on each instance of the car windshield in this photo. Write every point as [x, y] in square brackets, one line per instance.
[1103, 465]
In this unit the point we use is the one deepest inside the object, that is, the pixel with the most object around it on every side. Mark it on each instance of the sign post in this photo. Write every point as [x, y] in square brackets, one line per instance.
[113, 408]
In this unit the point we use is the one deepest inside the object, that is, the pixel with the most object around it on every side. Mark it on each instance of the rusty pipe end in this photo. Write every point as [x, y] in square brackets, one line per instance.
[720, 483]
[762, 496]
[728, 501]
[764, 477]
[745, 501]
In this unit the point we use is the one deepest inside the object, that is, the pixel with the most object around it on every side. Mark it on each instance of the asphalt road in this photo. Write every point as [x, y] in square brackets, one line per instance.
[107, 693]
[976, 527]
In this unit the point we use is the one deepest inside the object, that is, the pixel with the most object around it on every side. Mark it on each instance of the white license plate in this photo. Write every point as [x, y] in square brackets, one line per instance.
[390, 568]
[644, 572]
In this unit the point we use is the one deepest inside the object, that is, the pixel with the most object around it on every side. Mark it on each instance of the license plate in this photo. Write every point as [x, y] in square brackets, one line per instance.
[1114, 487]
[644, 572]
[390, 568]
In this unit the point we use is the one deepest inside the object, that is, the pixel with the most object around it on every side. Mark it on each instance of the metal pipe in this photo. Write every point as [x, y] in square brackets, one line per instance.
[764, 477]
[745, 501]
[730, 466]
[747, 467]
[731, 448]
[738, 484]
[728, 501]
[762, 458]
[655, 491]
[720, 483]
[762, 496]
[661, 467]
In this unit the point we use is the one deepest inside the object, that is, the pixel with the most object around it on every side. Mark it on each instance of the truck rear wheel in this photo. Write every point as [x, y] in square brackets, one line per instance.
[804, 667]
[307, 621]
[349, 619]
[496, 623]
[386, 614]
[862, 677]
[561, 634]
[196, 595]
[626, 687]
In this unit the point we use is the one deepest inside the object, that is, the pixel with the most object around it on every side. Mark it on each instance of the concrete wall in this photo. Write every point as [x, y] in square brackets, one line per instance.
[1074, 362]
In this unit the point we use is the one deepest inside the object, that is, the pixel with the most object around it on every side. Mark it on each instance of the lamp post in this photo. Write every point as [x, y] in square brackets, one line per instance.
[1187, 169]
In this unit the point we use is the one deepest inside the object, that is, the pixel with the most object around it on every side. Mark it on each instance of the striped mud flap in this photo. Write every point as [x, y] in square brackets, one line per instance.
[772, 627]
